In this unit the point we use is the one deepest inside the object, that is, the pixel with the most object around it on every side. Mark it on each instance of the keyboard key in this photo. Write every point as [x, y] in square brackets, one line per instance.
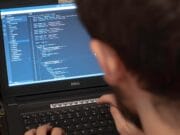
[83, 132]
[86, 125]
[95, 124]
[103, 123]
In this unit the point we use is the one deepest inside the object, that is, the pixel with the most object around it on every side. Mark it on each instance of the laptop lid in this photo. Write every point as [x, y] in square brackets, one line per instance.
[44, 48]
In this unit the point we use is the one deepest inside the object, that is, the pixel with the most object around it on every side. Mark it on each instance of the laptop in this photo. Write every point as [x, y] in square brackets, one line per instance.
[48, 73]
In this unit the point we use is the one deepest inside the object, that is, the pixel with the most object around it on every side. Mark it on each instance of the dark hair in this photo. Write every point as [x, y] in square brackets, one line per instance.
[144, 33]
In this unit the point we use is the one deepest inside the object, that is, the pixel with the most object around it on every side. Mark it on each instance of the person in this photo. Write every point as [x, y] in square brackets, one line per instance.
[137, 43]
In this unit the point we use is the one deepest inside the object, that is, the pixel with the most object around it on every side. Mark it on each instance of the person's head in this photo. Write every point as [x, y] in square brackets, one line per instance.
[137, 43]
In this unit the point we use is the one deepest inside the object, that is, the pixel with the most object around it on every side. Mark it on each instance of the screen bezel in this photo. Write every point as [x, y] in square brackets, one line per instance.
[40, 87]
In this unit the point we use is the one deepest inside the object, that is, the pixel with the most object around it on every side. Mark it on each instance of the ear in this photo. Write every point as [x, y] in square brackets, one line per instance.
[109, 61]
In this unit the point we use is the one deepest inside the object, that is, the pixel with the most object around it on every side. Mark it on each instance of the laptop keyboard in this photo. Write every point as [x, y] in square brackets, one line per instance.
[87, 119]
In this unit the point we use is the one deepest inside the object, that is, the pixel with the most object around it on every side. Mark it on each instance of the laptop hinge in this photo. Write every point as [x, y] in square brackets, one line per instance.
[62, 95]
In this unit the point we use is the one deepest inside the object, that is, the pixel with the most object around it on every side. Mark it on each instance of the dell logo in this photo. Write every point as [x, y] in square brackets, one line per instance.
[75, 83]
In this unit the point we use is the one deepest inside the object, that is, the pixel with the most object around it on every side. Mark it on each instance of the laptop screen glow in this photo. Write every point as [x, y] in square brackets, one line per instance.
[46, 44]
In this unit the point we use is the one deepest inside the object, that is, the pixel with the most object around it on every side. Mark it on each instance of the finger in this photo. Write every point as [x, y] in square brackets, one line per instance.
[108, 99]
[57, 131]
[124, 126]
[43, 130]
[133, 129]
[119, 120]
[31, 132]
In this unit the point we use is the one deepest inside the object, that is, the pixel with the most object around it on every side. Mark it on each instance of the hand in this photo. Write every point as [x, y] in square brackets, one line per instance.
[45, 130]
[124, 127]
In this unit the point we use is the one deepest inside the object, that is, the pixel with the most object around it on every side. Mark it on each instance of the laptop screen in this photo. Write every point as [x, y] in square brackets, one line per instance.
[46, 44]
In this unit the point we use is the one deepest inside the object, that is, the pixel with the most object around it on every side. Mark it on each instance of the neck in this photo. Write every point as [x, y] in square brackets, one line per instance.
[158, 119]
[168, 111]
